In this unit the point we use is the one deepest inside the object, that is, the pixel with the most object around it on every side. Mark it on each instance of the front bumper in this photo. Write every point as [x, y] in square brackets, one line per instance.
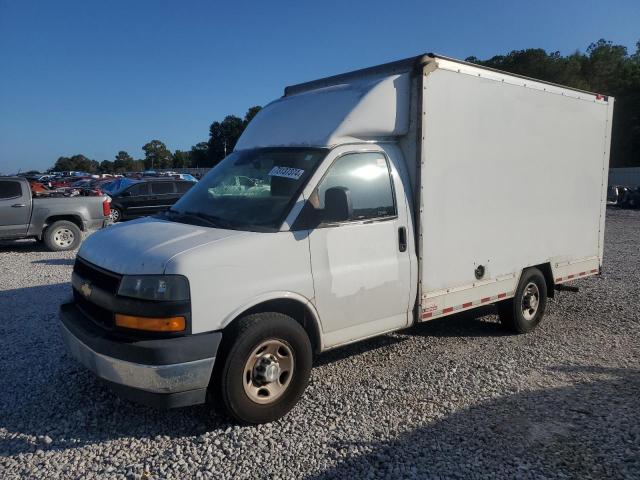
[163, 373]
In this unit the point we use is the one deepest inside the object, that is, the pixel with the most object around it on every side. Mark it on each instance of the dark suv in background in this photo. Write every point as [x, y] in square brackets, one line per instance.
[146, 197]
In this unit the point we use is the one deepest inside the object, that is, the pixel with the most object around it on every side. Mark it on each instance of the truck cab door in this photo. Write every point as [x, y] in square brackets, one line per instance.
[15, 208]
[361, 263]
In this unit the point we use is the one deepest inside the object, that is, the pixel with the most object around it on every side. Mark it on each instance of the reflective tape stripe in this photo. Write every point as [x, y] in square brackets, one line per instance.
[576, 275]
[447, 310]
[500, 296]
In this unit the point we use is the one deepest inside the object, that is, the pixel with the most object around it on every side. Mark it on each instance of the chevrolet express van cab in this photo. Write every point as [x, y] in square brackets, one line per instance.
[353, 206]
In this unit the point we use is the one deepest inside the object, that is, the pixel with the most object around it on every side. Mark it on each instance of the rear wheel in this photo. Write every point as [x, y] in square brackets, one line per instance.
[62, 235]
[115, 215]
[265, 362]
[523, 312]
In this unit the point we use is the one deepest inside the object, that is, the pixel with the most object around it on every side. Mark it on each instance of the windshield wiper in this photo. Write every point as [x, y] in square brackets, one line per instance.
[210, 220]
[177, 215]
[217, 221]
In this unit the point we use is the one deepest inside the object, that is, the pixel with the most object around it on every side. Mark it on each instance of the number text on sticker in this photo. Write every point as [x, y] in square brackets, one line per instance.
[286, 172]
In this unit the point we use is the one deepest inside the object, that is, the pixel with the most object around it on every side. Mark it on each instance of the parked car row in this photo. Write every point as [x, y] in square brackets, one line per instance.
[134, 195]
[139, 198]
[30, 208]
[623, 197]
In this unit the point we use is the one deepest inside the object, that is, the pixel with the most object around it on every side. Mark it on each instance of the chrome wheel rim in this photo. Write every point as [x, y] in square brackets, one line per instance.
[115, 215]
[63, 237]
[530, 301]
[268, 371]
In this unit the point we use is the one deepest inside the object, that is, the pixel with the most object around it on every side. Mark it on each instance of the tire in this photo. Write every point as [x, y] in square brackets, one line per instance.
[523, 312]
[237, 387]
[62, 235]
[115, 215]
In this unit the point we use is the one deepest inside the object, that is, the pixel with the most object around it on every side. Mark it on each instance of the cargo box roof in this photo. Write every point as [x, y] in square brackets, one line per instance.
[371, 104]
[404, 65]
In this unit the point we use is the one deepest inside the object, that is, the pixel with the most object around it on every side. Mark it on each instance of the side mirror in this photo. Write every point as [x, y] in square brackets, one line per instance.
[337, 205]
[337, 208]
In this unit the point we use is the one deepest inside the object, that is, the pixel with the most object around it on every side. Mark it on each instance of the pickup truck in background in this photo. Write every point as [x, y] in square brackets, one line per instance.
[353, 206]
[57, 221]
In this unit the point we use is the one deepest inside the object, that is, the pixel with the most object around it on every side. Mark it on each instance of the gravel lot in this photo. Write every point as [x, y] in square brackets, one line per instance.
[455, 398]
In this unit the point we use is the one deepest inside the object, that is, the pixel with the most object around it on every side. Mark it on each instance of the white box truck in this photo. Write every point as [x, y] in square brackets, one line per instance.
[353, 206]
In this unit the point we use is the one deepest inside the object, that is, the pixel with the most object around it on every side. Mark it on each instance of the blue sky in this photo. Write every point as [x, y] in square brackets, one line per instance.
[97, 77]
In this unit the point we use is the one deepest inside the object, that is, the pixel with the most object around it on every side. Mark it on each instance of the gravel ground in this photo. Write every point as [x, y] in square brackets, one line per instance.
[448, 399]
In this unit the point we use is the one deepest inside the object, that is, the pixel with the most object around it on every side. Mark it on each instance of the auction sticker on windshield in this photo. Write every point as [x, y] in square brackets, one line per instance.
[286, 172]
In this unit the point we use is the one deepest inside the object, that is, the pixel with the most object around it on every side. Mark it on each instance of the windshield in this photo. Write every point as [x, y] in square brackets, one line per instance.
[250, 188]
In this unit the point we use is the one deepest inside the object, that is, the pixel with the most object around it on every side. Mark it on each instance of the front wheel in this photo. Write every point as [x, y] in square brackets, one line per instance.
[265, 362]
[62, 235]
[523, 312]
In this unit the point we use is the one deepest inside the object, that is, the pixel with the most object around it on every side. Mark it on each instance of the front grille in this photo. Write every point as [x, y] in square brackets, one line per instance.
[107, 281]
[96, 313]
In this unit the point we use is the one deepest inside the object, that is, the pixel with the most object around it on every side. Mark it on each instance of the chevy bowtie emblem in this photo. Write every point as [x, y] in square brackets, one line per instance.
[85, 289]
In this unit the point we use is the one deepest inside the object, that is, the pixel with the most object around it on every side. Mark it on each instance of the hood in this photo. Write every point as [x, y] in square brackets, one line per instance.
[145, 246]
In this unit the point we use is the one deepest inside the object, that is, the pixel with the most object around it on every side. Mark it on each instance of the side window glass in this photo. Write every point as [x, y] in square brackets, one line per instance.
[10, 189]
[183, 187]
[160, 188]
[139, 189]
[368, 179]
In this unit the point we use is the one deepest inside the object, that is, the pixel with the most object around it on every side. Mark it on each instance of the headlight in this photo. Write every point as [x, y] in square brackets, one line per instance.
[155, 287]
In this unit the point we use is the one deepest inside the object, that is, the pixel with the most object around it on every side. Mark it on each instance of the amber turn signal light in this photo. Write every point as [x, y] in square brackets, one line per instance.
[165, 324]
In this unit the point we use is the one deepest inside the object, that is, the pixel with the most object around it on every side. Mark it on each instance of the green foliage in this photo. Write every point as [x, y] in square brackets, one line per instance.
[123, 162]
[75, 163]
[223, 137]
[199, 154]
[252, 112]
[181, 159]
[157, 155]
[106, 166]
[604, 68]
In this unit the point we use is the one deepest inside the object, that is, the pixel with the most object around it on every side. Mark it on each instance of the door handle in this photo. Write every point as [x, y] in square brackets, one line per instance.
[402, 239]
[18, 205]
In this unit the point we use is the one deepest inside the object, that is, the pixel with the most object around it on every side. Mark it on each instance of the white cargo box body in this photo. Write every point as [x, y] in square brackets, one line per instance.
[507, 172]
[513, 174]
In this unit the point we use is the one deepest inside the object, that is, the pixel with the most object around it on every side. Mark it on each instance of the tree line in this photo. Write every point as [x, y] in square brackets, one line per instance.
[222, 140]
[604, 68]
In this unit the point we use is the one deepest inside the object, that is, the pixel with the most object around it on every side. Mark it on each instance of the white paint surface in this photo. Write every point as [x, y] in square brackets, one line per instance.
[362, 282]
[367, 109]
[512, 176]
[228, 271]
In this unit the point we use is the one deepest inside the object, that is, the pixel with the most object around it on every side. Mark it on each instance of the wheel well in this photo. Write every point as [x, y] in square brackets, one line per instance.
[294, 309]
[70, 218]
[545, 268]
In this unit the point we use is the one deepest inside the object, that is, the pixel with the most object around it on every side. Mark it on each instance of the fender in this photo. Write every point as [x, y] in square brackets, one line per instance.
[278, 295]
